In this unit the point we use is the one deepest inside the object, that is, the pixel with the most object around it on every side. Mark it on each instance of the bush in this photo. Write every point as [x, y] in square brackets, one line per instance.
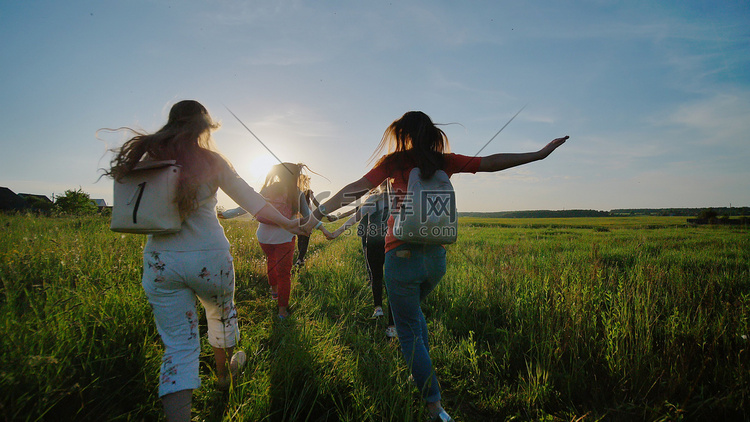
[75, 202]
[707, 214]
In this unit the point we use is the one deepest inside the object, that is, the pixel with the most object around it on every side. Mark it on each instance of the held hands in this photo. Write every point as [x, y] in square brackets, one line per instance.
[326, 233]
[307, 227]
[300, 227]
[310, 225]
[336, 233]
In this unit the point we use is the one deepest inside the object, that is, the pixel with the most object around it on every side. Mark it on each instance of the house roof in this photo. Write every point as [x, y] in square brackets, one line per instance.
[31, 195]
[10, 201]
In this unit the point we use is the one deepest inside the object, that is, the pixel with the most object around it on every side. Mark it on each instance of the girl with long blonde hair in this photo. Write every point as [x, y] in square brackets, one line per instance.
[284, 188]
[194, 262]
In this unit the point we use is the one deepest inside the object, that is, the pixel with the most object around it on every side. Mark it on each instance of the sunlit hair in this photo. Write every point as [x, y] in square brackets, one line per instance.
[305, 183]
[186, 138]
[287, 180]
[413, 140]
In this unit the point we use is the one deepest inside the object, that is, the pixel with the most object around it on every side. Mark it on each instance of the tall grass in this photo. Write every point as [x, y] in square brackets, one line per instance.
[557, 319]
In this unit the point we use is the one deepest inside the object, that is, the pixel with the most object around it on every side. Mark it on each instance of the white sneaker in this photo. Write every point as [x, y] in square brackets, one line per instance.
[390, 332]
[239, 358]
[378, 312]
[442, 416]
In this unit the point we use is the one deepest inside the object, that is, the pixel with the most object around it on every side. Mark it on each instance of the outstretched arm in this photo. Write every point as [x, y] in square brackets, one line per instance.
[292, 226]
[314, 201]
[270, 213]
[345, 196]
[234, 212]
[334, 217]
[350, 222]
[248, 199]
[497, 162]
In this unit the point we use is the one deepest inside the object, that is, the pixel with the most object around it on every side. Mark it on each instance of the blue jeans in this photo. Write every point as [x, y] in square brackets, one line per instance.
[411, 273]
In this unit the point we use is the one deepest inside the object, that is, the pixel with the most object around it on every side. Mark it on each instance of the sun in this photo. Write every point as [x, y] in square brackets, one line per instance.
[258, 167]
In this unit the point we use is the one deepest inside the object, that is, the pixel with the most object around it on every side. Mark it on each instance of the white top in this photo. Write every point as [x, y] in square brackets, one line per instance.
[269, 233]
[201, 230]
[274, 235]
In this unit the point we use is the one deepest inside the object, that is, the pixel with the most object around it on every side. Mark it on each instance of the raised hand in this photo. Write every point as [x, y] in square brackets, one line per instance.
[547, 150]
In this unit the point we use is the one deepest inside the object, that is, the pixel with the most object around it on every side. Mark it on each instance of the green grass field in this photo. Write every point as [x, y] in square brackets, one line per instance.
[537, 319]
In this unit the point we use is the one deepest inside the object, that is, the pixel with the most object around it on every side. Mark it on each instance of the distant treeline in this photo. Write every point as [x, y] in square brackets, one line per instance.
[673, 212]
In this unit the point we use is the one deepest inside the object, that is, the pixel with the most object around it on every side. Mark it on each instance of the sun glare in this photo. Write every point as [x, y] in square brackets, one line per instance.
[258, 167]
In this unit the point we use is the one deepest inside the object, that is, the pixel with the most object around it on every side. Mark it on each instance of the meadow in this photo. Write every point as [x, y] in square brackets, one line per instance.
[624, 319]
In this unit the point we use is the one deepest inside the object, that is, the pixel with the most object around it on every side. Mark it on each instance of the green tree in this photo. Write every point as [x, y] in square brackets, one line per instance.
[76, 202]
[708, 214]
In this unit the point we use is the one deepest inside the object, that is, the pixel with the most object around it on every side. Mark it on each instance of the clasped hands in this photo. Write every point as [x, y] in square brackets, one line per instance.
[305, 227]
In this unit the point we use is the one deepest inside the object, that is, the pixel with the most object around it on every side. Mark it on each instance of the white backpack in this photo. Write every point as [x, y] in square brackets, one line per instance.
[427, 214]
[145, 199]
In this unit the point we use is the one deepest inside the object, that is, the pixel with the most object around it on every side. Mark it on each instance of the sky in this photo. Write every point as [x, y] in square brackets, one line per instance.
[655, 96]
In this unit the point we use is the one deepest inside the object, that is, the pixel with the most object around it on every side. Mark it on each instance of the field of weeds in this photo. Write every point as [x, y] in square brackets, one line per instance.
[554, 319]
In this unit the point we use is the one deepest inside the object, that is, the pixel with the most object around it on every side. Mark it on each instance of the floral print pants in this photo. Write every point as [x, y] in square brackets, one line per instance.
[172, 281]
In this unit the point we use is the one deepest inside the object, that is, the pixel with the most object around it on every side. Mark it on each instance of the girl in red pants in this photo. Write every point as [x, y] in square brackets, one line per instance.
[284, 189]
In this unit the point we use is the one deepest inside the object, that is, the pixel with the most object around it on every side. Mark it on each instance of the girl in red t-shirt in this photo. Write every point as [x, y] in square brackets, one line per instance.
[413, 270]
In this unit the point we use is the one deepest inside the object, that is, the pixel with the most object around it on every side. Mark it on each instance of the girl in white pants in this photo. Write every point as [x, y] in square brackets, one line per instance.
[172, 281]
[194, 262]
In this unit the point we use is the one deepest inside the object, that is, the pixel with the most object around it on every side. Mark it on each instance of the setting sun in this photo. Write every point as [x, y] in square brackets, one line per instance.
[257, 169]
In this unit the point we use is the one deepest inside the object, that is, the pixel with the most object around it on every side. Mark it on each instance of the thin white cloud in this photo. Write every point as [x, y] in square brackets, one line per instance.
[721, 119]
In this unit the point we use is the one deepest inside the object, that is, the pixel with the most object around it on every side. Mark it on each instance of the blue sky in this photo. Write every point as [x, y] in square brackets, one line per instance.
[654, 95]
